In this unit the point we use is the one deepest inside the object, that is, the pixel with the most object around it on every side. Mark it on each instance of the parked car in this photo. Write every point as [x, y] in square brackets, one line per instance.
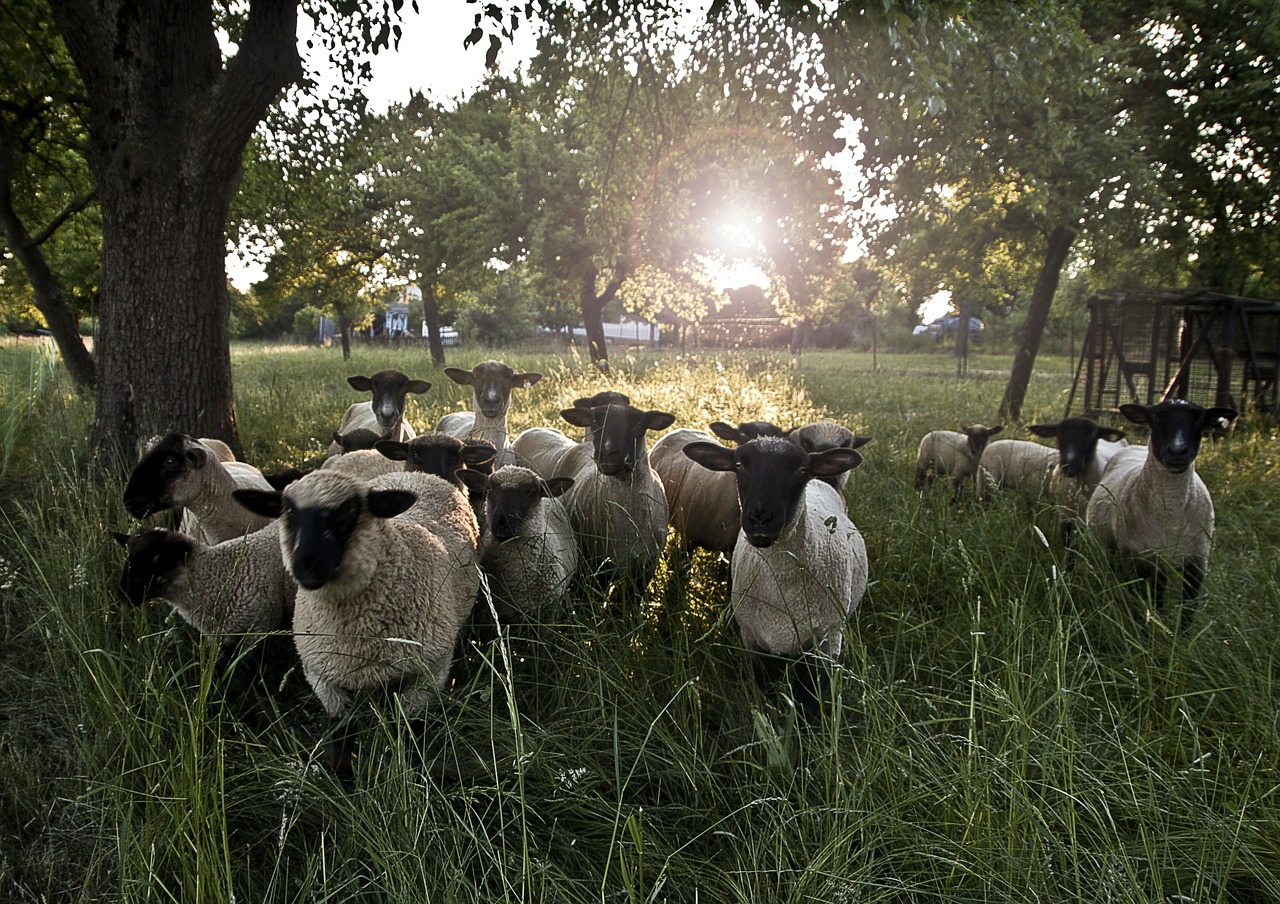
[949, 326]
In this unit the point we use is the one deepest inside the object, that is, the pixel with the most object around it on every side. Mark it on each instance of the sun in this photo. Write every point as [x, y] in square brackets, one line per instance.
[734, 273]
[735, 249]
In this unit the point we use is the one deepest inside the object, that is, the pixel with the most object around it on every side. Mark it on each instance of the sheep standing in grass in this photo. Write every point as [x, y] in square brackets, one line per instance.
[617, 505]
[948, 453]
[528, 549]
[1080, 463]
[232, 592]
[1151, 506]
[799, 568]
[387, 578]
[179, 472]
[1015, 466]
[384, 413]
[822, 435]
[491, 383]
[703, 505]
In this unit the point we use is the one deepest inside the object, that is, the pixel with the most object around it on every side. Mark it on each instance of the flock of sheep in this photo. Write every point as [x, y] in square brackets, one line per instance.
[378, 559]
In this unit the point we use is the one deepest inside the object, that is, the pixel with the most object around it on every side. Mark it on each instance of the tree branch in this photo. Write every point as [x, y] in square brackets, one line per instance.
[65, 214]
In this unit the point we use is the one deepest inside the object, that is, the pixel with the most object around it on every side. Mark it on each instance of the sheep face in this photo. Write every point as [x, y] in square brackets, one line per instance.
[979, 435]
[772, 474]
[617, 434]
[150, 487]
[431, 453]
[513, 494]
[1177, 427]
[154, 565]
[389, 388]
[1077, 439]
[746, 431]
[318, 517]
[357, 439]
[491, 383]
[826, 435]
[479, 455]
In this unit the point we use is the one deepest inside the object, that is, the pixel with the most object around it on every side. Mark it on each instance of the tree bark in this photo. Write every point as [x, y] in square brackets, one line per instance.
[593, 319]
[431, 314]
[168, 126]
[1015, 393]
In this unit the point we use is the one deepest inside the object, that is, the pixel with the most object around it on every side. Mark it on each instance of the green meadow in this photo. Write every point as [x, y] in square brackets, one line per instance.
[1010, 722]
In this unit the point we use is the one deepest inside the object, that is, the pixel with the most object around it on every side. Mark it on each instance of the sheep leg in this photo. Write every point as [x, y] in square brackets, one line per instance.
[810, 685]
[343, 750]
[1192, 580]
[239, 664]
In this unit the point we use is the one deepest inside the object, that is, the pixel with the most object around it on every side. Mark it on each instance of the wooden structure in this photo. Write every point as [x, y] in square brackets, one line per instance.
[1146, 345]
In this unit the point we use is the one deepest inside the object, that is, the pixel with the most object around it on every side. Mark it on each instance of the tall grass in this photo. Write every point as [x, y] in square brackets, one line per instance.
[1010, 723]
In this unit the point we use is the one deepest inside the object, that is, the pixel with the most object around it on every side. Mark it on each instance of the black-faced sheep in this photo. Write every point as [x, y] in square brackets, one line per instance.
[387, 578]
[948, 453]
[528, 548]
[1151, 506]
[232, 592]
[491, 383]
[799, 568]
[384, 413]
[1084, 449]
[179, 472]
[822, 435]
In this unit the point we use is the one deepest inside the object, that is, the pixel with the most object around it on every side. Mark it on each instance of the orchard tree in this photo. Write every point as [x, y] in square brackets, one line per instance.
[683, 296]
[48, 215]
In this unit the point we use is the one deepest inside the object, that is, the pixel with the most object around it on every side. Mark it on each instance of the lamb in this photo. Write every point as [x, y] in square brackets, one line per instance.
[528, 549]
[387, 578]
[232, 592]
[1080, 463]
[1151, 507]
[822, 435]
[177, 471]
[616, 505]
[363, 463]
[703, 505]
[444, 456]
[799, 568]
[945, 452]
[1015, 466]
[384, 414]
[356, 439]
[491, 383]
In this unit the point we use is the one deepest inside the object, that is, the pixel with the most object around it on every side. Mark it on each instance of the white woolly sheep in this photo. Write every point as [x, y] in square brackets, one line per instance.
[232, 592]
[799, 568]
[179, 472]
[387, 578]
[617, 505]
[703, 505]
[528, 548]
[384, 413]
[822, 435]
[1015, 466]
[1079, 466]
[1151, 506]
[491, 383]
[365, 464]
[947, 453]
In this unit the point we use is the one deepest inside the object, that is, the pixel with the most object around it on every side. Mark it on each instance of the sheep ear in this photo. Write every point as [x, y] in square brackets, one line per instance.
[266, 503]
[994, 430]
[1048, 431]
[859, 442]
[728, 432]
[833, 462]
[558, 486]
[360, 384]
[1220, 417]
[477, 456]
[475, 481]
[122, 539]
[579, 417]
[392, 449]
[1110, 434]
[418, 386]
[458, 375]
[712, 456]
[337, 437]
[658, 420]
[1135, 412]
[197, 455]
[524, 381]
[389, 503]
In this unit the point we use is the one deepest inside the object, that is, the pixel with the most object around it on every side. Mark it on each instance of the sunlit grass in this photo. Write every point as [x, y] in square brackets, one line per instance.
[1009, 725]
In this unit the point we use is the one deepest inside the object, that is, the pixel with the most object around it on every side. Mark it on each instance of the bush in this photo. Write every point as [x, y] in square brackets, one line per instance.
[506, 318]
[306, 323]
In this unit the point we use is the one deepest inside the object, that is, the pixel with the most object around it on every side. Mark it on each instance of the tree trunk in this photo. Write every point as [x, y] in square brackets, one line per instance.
[344, 328]
[431, 314]
[1015, 393]
[592, 319]
[167, 130]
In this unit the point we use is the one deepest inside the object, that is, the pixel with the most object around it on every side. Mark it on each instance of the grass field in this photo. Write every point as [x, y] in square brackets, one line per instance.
[1010, 724]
